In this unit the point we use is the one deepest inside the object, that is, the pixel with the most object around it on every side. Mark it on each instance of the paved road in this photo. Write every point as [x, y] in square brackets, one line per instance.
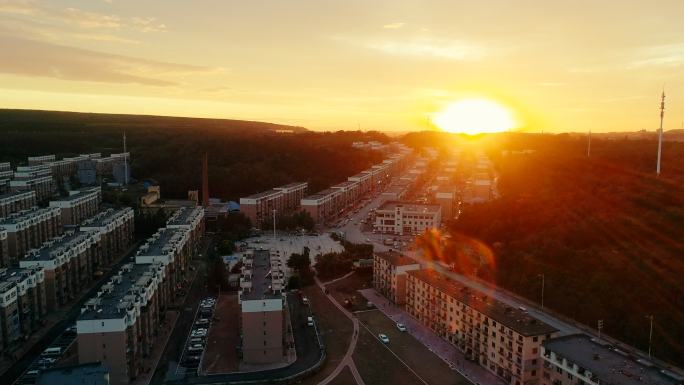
[69, 319]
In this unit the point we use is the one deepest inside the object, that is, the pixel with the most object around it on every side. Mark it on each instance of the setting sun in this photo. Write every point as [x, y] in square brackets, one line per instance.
[475, 116]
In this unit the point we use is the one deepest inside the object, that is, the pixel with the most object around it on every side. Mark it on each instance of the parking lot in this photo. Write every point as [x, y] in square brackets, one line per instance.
[289, 244]
[193, 352]
[221, 355]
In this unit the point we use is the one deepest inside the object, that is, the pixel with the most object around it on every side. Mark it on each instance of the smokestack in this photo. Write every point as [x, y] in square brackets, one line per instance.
[205, 181]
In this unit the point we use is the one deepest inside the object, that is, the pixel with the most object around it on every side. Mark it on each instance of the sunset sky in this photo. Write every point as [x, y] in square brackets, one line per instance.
[328, 65]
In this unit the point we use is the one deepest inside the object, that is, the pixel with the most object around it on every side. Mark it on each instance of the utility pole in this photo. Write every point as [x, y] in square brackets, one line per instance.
[274, 225]
[650, 334]
[599, 327]
[660, 131]
[589, 145]
[125, 160]
[542, 289]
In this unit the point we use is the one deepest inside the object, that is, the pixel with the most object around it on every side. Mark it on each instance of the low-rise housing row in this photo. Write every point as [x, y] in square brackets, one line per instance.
[402, 218]
[28, 229]
[116, 228]
[42, 185]
[259, 207]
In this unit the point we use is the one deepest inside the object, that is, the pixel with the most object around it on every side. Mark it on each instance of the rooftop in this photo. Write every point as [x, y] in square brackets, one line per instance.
[396, 259]
[106, 217]
[263, 194]
[322, 194]
[161, 242]
[184, 216]
[93, 373]
[261, 277]
[513, 318]
[57, 246]
[409, 206]
[611, 366]
[120, 293]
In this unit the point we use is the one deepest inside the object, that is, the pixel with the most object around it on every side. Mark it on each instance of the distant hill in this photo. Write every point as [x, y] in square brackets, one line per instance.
[36, 120]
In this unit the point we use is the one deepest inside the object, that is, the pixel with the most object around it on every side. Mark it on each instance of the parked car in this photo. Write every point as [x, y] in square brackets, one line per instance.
[383, 338]
[309, 321]
[196, 340]
[196, 348]
[202, 322]
[305, 300]
[191, 358]
[401, 327]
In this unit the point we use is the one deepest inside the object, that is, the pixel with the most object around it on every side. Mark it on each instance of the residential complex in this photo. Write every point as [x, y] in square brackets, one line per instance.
[504, 340]
[389, 275]
[580, 359]
[42, 185]
[328, 204]
[22, 304]
[78, 205]
[118, 326]
[28, 229]
[259, 207]
[400, 218]
[69, 262]
[116, 227]
[16, 201]
[263, 308]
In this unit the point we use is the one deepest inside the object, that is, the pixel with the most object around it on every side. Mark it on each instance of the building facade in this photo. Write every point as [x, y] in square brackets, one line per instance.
[116, 228]
[22, 304]
[504, 340]
[389, 275]
[16, 201]
[29, 229]
[79, 205]
[404, 218]
[259, 207]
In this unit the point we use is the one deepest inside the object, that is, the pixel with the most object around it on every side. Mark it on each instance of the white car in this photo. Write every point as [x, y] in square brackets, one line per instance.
[401, 327]
[383, 338]
[195, 348]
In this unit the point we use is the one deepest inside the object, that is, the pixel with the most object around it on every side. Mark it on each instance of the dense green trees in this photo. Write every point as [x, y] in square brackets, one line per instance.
[301, 264]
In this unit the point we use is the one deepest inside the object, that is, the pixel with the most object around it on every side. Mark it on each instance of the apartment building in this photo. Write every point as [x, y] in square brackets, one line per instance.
[400, 218]
[79, 205]
[22, 304]
[5, 166]
[259, 207]
[364, 180]
[262, 308]
[119, 326]
[504, 340]
[38, 160]
[349, 193]
[6, 174]
[16, 201]
[389, 275]
[69, 264]
[190, 219]
[445, 197]
[324, 206]
[116, 228]
[43, 186]
[171, 248]
[29, 229]
[4, 251]
[93, 373]
[580, 359]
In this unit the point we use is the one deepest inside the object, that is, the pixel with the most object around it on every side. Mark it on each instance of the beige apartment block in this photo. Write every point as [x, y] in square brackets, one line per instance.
[259, 207]
[79, 205]
[29, 229]
[389, 275]
[262, 308]
[16, 201]
[506, 341]
[116, 228]
[405, 218]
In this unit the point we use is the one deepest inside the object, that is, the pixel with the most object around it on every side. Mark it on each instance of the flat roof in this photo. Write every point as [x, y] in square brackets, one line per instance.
[410, 206]
[322, 194]
[118, 294]
[396, 259]
[17, 194]
[292, 185]
[263, 194]
[261, 269]
[23, 215]
[184, 216]
[158, 243]
[92, 373]
[513, 318]
[54, 247]
[79, 194]
[609, 365]
[105, 217]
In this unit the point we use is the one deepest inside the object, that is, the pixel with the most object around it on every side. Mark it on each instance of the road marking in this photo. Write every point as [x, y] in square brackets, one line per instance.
[393, 353]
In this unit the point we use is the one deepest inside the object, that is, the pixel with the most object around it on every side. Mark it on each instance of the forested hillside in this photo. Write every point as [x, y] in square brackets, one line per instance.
[605, 231]
[244, 157]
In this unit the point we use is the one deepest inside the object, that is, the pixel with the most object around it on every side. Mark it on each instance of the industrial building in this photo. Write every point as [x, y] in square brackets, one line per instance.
[505, 340]
[389, 275]
[29, 229]
[22, 304]
[118, 326]
[581, 359]
[405, 218]
[69, 262]
[263, 313]
[259, 207]
[16, 201]
[78, 205]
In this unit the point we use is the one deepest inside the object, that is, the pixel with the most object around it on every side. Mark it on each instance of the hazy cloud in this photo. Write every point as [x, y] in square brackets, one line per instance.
[443, 49]
[393, 26]
[34, 58]
[671, 55]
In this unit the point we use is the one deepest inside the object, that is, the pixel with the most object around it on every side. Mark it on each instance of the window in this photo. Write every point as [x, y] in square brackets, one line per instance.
[535, 338]
[535, 350]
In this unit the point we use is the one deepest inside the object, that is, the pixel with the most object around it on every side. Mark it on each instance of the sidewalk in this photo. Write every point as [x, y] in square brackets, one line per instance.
[443, 349]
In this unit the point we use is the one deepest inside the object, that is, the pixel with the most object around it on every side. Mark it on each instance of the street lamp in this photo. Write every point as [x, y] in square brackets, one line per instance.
[650, 334]
[542, 289]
